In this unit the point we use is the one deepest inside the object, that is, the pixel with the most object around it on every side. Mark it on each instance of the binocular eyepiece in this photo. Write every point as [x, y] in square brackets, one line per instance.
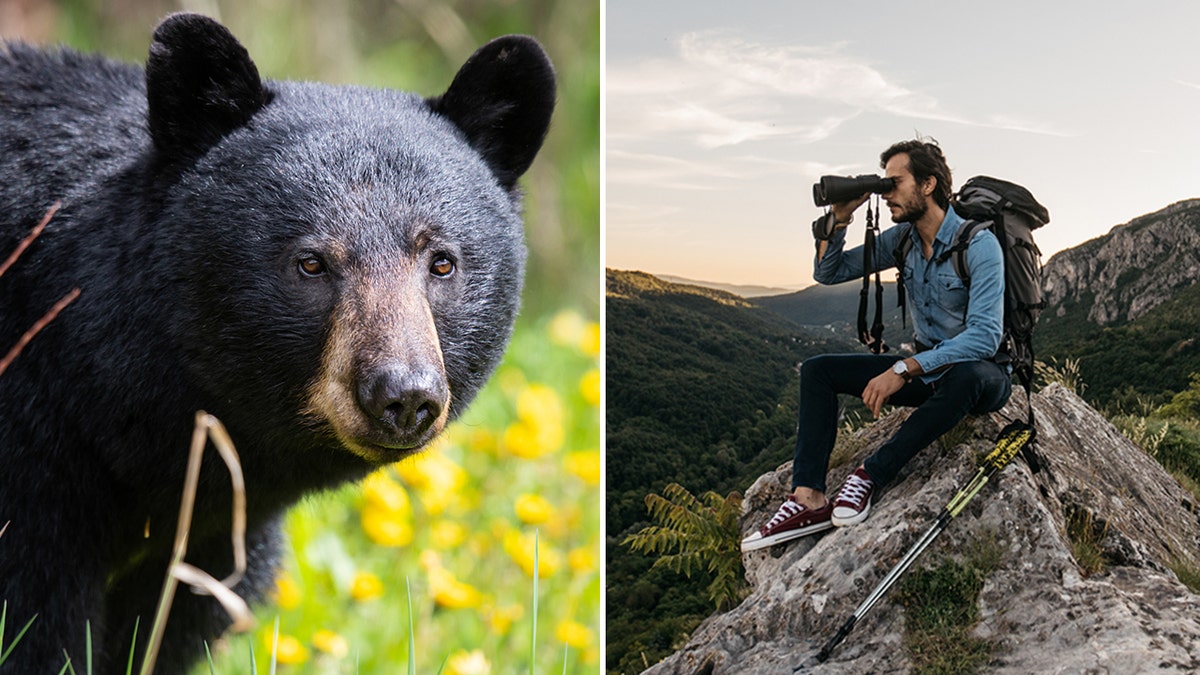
[834, 189]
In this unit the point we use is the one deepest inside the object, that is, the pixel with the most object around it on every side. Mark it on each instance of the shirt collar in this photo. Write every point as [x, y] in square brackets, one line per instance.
[946, 232]
[949, 228]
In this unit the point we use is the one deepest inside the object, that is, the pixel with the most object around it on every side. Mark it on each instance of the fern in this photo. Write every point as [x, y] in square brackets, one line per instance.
[696, 534]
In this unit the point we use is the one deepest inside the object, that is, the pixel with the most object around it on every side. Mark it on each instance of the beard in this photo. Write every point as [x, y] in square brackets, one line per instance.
[909, 211]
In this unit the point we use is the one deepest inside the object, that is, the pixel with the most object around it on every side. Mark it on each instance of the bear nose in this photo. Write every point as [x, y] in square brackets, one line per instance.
[404, 402]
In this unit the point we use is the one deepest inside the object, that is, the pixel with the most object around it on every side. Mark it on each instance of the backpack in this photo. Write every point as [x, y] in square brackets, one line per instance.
[1012, 214]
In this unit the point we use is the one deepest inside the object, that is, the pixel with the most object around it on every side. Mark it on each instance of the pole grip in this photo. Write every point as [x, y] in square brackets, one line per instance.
[834, 641]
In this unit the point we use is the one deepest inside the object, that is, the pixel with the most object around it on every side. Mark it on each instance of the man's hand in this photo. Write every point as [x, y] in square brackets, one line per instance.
[881, 388]
[844, 211]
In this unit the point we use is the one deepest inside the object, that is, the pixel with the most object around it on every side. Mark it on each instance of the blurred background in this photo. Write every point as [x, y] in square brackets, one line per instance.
[501, 518]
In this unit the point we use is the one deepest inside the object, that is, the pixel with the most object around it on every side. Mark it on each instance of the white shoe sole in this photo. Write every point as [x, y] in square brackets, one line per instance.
[757, 541]
[850, 520]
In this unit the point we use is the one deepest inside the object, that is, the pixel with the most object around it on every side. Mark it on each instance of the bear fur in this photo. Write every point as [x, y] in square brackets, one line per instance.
[333, 272]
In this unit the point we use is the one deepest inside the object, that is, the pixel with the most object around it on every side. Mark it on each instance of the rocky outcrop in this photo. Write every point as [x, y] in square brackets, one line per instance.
[1037, 608]
[1129, 271]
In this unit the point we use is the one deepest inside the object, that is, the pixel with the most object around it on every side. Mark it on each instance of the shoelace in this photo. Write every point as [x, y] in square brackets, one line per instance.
[787, 510]
[855, 490]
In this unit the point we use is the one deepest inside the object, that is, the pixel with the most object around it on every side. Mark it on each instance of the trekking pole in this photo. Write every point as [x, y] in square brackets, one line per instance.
[1011, 440]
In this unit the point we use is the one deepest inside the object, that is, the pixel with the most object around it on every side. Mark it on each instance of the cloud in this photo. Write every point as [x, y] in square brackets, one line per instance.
[719, 90]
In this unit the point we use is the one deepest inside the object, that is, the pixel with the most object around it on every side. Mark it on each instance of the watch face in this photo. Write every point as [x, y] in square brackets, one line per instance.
[901, 368]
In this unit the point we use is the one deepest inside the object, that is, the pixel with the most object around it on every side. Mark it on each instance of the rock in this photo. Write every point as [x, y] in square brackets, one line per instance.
[1039, 610]
[1131, 270]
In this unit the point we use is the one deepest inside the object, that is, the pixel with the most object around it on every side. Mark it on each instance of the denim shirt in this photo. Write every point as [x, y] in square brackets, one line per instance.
[960, 323]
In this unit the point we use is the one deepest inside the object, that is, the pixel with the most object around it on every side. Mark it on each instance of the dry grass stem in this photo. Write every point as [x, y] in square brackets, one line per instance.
[33, 234]
[207, 427]
[36, 328]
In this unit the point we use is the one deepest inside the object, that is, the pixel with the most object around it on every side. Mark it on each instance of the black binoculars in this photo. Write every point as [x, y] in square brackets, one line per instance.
[834, 189]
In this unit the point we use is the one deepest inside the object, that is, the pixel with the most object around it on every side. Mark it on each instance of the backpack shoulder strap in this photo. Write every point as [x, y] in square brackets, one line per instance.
[966, 233]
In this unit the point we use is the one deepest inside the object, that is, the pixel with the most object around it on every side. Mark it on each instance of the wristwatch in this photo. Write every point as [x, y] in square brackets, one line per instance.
[901, 368]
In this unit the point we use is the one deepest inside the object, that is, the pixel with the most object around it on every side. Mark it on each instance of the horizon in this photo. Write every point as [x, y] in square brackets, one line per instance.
[719, 119]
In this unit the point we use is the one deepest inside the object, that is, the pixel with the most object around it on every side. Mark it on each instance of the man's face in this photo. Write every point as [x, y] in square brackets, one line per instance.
[907, 201]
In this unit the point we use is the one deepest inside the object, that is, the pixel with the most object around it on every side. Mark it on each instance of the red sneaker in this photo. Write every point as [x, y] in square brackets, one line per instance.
[853, 501]
[791, 521]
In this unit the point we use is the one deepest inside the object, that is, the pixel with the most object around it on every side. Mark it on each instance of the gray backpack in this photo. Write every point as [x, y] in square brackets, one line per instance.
[1012, 214]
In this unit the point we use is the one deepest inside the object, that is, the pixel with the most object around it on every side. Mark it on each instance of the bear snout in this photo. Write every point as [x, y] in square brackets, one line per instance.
[402, 403]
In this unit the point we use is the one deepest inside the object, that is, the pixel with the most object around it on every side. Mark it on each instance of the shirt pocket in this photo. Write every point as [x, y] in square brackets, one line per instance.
[951, 294]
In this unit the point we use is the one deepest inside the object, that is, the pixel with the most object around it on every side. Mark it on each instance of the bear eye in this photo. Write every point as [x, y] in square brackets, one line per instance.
[310, 265]
[442, 266]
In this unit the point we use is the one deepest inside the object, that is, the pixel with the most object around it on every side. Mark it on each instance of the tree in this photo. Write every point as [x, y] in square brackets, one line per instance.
[694, 534]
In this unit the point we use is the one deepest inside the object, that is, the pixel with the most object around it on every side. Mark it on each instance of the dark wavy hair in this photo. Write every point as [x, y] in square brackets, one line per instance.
[925, 159]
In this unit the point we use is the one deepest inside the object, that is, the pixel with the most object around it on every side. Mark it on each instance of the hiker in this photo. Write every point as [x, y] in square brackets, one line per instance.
[958, 329]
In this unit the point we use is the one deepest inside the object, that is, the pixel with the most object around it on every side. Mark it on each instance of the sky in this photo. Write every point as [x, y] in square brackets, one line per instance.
[719, 117]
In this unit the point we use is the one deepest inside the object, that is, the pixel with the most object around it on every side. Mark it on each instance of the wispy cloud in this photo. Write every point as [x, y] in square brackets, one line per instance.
[719, 90]
[1185, 83]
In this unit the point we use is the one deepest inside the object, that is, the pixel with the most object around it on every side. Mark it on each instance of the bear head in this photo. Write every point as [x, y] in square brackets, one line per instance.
[344, 264]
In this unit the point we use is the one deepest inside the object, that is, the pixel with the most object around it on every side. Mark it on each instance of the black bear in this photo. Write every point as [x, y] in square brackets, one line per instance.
[331, 271]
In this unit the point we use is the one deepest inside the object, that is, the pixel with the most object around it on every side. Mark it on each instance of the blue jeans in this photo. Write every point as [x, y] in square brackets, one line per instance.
[970, 387]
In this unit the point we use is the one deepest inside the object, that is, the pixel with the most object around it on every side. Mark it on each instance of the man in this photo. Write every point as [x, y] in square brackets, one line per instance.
[958, 330]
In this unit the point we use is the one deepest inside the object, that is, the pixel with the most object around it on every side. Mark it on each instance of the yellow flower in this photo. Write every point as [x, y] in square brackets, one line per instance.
[438, 479]
[584, 464]
[538, 402]
[574, 634]
[566, 328]
[533, 509]
[501, 619]
[383, 492]
[589, 387]
[589, 343]
[468, 663]
[447, 534]
[366, 587]
[538, 430]
[387, 513]
[330, 643]
[448, 591]
[286, 649]
[582, 560]
[520, 547]
[387, 528]
[287, 592]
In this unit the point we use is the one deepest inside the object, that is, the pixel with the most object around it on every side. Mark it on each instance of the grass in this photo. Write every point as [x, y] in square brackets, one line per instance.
[942, 607]
[1085, 535]
[1187, 571]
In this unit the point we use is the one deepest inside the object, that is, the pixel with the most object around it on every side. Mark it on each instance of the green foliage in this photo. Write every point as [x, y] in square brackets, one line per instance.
[1155, 353]
[693, 534]
[1185, 404]
[941, 606]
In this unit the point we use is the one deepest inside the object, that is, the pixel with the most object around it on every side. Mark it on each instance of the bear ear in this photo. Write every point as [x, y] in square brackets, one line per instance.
[502, 98]
[200, 85]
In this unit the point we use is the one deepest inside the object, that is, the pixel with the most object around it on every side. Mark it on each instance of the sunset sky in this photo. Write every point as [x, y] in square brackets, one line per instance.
[721, 115]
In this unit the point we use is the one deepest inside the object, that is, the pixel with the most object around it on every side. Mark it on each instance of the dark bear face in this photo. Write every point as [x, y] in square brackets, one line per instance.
[352, 259]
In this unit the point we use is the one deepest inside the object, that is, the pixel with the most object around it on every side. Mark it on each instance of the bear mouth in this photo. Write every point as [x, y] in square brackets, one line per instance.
[384, 448]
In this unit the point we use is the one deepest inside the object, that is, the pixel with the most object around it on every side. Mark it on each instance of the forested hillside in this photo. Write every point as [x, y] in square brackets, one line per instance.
[701, 391]
[1127, 306]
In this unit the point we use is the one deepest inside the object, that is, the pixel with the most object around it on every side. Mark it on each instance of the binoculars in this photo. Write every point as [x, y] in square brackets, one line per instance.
[834, 189]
